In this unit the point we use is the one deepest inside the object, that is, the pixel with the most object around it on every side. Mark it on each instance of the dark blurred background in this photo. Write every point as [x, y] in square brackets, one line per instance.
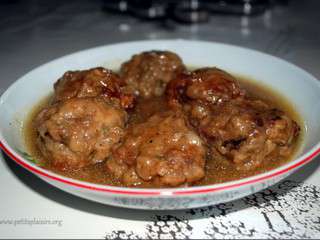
[33, 32]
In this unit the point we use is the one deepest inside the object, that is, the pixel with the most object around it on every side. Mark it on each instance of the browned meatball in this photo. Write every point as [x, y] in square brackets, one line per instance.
[208, 85]
[244, 130]
[95, 82]
[148, 73]
[79, 131]
[249, 132]
[163, 151]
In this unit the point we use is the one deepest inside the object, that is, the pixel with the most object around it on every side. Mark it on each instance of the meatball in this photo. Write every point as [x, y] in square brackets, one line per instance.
[244, 130]
[148, 73]
[208, 85]
[163, 151]
[248, 132]
[94, 82]
[78, 132]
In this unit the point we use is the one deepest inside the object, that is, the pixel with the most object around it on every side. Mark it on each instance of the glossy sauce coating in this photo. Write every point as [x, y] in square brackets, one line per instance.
[217, 168]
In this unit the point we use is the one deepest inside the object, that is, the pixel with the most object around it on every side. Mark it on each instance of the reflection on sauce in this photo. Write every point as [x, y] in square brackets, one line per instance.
[218, 169]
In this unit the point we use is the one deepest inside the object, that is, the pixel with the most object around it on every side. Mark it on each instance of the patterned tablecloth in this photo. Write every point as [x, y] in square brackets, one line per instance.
[288, 210]
[30, 208]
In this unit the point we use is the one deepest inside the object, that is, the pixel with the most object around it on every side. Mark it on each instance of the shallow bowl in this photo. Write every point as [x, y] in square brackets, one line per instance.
[298, 86]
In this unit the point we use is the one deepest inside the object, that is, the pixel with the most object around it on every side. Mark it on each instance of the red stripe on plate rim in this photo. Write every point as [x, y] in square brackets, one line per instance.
[21, 162]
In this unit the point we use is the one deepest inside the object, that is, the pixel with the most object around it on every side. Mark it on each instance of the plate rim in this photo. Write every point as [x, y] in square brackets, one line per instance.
[181, 191]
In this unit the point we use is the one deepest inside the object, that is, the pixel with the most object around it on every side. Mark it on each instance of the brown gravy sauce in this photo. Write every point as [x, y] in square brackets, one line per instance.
[217, 171]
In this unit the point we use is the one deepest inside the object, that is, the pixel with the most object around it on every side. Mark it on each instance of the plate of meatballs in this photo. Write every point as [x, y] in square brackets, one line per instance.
[168, 124]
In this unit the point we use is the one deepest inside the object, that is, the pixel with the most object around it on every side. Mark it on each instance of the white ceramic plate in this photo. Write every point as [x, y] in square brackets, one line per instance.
[299, 87]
